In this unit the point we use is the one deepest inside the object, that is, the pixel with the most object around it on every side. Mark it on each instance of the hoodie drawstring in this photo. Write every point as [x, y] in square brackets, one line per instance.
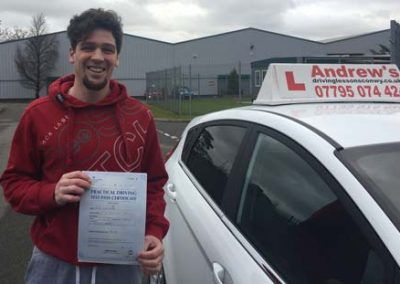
[70, 138]
[78, 275]
[118, 116]
[70, 131]
[93, 277]
[59, 90]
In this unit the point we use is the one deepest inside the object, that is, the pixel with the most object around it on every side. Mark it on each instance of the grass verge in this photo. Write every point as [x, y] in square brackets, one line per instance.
[187, 109]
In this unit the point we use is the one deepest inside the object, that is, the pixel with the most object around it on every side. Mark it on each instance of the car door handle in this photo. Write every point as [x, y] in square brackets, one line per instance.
[171, 192]
[218, 273]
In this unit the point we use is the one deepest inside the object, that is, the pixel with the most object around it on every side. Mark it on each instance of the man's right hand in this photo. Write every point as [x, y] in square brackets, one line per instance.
[70, 187]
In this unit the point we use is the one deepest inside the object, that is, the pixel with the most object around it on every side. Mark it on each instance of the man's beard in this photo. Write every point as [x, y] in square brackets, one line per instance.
[93, 86]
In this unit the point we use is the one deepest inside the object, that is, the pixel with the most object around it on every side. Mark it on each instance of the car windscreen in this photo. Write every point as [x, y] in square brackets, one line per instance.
[377, 167]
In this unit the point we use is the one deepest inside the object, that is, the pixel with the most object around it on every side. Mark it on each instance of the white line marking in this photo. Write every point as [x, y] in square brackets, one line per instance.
[167, 135]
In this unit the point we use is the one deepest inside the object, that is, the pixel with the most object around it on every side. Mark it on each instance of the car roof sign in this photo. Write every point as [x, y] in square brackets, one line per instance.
[302, 83]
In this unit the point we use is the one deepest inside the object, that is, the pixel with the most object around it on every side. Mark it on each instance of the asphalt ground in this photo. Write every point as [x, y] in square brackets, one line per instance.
[15, 243]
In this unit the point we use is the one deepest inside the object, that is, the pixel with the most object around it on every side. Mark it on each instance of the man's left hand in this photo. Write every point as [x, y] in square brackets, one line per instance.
[151, 257]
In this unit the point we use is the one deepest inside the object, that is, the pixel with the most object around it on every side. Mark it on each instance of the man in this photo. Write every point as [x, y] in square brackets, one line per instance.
[87, 122]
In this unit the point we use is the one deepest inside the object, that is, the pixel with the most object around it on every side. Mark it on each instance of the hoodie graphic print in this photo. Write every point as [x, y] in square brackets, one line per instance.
[59, 134]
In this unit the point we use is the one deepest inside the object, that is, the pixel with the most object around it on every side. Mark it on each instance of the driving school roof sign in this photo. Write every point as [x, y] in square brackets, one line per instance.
[297, 83]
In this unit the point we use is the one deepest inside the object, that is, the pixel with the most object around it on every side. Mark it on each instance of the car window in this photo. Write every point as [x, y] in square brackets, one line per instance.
[212, 156]
[297, 223]
[376, 168]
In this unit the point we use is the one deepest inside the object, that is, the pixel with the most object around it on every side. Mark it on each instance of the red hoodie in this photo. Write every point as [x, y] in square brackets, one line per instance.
[59, 134]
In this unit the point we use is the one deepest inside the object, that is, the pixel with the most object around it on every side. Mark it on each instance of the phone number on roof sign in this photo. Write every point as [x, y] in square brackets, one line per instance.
[360, 91]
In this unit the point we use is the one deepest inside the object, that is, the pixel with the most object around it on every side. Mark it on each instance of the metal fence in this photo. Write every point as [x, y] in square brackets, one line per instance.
[176, 88]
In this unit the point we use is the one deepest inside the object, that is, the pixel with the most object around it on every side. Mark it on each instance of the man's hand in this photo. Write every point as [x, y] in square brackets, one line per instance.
[151, 257]
[70, 187]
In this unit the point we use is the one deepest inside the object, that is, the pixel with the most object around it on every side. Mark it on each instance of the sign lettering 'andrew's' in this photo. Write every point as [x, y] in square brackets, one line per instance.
[330, 82]
[347, 72]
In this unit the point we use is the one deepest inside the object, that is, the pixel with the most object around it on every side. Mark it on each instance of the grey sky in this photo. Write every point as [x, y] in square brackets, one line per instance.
[180, 20]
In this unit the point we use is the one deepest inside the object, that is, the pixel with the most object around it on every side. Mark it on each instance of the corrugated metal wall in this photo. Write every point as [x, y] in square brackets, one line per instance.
[395, 42]
[138, 56]
[9, 79]
[206, 58]
[359, 44]
[10, 86]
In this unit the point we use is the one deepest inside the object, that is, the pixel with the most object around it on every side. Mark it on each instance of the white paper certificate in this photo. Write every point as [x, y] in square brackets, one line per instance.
[112, 217]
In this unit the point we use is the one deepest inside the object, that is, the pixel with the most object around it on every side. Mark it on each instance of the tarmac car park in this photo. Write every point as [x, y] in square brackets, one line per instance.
[300, 187]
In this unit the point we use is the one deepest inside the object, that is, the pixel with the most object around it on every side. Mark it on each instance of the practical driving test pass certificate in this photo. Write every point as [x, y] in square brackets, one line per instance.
[112, 215]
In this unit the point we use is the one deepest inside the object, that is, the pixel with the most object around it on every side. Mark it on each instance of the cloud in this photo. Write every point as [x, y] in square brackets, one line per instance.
[180, 20]
[226, 16]
[324, 19]
[58, 12]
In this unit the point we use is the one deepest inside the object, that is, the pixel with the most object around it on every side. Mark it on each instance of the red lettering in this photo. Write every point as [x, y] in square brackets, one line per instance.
[316, 72]
[292, 85]
[351, 72]
[361, 73]
[342, 72]
[394, 73]
[330, 72]
[375, 72]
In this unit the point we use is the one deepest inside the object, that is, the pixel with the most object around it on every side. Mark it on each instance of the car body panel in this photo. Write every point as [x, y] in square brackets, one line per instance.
[321, 130]
[200, 228]
[204, 243]
[322, 149]
[347, 123]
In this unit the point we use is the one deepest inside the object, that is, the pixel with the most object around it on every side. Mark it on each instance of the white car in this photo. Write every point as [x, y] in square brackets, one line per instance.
[301, 187]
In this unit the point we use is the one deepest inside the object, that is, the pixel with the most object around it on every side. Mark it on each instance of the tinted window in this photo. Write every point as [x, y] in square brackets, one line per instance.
[294, 219]
[378, 170]
[212, 157]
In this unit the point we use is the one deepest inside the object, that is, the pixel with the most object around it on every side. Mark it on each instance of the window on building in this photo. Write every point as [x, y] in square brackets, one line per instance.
[264, 72]
[257, 78]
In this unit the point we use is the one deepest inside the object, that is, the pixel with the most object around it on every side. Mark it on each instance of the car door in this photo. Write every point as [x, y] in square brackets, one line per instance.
[300, 219]
[200, 246]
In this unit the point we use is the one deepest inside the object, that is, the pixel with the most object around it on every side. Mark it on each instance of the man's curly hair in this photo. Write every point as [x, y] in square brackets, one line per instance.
[81, 26]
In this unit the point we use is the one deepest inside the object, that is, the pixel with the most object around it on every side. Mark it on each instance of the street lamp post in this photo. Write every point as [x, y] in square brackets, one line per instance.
[190, 90]
[240, 80]
[251, 53]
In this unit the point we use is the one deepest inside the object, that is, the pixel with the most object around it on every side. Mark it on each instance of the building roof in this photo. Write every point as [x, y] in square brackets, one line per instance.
[327, 41]
[343, 38]
[247, 29]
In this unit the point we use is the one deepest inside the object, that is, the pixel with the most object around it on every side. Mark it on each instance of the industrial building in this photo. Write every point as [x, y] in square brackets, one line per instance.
[148, 65]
